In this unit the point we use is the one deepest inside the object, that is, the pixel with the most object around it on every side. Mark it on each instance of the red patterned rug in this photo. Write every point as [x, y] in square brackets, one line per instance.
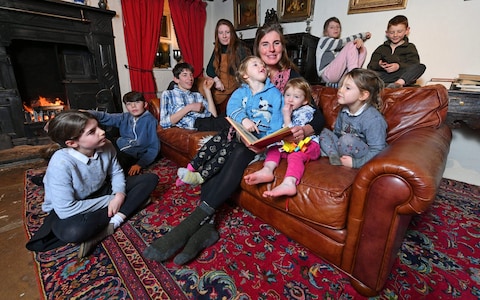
[438, 258]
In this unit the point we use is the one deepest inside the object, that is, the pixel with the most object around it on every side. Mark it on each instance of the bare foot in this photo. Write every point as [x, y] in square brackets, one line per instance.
[286, 188]
[261, 176]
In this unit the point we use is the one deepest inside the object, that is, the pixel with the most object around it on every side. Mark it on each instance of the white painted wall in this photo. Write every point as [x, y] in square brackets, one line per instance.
[444, 31]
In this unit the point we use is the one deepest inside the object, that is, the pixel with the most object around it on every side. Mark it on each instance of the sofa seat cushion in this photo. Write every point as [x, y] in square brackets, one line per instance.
[322, 197]
[183, 140]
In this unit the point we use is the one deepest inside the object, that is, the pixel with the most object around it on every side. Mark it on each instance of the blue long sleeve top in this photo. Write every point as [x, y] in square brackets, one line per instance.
[138, 136]
[369, 125]
[264, 108]
[71, 177]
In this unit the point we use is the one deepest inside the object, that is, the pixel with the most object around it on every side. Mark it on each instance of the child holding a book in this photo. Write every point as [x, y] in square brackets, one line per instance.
[297, 111]
[252, 106]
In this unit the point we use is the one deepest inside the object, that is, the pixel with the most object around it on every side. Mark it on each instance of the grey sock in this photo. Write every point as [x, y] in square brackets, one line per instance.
[335, 160]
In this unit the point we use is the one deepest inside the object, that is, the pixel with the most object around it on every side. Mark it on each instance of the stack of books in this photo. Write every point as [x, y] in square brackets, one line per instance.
[467, 82]
[464, 82]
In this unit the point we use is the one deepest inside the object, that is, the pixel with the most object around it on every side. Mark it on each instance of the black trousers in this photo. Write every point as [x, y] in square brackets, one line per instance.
[409, 74]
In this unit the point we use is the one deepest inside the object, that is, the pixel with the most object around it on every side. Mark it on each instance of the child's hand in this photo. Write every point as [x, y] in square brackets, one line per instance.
[390, 68]
[197, 107]
[208, 83]
[358, 43]
[134, 170]
[115, 204]
[347, 161]
[250, 125]
[287, 113]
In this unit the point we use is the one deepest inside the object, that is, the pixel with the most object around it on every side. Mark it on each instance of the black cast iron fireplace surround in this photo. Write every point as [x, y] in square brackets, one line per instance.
[85, 54]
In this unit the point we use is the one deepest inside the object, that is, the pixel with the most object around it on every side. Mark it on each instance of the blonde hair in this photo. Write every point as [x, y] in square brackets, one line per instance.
[301, 84]
[242, 68]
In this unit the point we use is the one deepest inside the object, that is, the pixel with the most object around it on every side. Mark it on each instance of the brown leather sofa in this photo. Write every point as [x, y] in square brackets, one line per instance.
[355, 219]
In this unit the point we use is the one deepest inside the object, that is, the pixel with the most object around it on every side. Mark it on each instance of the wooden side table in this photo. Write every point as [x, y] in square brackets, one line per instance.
[463, 108]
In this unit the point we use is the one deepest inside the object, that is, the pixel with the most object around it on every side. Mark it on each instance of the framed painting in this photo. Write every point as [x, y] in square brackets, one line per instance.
[364, 6]
[245, 13]
[295, 10]
[165, 28]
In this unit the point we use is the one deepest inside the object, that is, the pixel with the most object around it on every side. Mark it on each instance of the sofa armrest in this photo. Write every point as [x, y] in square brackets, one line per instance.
[388, 191]
[154, 107]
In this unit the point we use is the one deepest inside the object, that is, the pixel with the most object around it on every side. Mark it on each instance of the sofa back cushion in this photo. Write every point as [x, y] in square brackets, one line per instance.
[404, 109]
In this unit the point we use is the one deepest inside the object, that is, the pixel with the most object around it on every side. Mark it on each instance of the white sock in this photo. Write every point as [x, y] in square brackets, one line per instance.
[117, 220]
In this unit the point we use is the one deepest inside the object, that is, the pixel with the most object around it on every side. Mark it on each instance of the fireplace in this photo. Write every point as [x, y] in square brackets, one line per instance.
[61, 54]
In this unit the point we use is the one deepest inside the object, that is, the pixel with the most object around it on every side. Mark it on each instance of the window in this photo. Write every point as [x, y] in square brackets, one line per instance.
[168, 41]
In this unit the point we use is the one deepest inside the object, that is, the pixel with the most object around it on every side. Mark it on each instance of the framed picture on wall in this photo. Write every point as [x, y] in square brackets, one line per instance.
[245, 13]
[295, 10]
[165, 28]
[364, 6]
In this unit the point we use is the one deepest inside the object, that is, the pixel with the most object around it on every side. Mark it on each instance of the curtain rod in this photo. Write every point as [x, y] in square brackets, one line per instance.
[47, 14]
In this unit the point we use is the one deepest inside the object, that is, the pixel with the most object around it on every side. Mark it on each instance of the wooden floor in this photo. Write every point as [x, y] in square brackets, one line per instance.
[17, 278]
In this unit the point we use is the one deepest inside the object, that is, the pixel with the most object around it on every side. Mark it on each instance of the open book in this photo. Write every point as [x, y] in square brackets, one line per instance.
[252, 140]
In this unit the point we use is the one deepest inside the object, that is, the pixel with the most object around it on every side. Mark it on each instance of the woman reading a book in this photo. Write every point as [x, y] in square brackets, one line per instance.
[197, 231]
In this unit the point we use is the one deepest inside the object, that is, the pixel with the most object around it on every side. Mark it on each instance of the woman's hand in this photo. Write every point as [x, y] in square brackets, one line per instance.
[219, 84]
[299, 133]
[115, 204]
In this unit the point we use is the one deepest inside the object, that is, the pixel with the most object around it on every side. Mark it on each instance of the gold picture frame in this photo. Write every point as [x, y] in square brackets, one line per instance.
[246, 13]
[295, 10]
[365, 6]
[165, 27]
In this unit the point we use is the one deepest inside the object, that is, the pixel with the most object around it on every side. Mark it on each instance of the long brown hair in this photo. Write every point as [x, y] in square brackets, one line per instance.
[232, 48]
[285, 62]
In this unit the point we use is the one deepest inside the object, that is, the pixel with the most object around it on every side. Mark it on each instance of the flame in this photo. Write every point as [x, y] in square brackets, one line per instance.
[42, 101]
[27, 108]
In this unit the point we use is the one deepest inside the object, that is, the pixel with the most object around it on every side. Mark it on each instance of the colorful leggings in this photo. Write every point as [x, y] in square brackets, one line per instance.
[211, 157]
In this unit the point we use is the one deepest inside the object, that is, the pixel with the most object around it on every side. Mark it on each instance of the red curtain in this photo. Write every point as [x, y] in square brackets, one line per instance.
[141, 24]
[189, 18]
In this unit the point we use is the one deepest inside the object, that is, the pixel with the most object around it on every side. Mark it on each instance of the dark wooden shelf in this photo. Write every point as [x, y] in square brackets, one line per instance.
[463, 109]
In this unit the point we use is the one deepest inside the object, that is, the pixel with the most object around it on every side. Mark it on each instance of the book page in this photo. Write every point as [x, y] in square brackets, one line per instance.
[252, 140]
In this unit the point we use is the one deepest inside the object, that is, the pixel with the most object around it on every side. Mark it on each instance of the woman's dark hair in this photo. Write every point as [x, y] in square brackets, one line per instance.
[67, 125]
[285, 62]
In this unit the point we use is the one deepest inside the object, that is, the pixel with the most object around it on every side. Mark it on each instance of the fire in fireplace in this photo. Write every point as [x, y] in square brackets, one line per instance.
[42, 109]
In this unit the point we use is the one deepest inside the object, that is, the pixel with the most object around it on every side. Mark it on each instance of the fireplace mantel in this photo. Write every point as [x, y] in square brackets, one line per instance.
[64, 23]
